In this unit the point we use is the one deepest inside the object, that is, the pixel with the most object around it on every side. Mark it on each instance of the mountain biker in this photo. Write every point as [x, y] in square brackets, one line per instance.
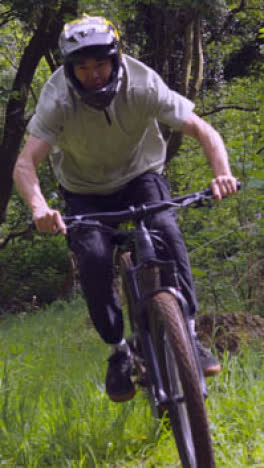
[100, 113]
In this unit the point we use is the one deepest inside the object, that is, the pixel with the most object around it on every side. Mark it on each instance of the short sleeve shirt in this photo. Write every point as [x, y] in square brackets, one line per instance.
[99, 154]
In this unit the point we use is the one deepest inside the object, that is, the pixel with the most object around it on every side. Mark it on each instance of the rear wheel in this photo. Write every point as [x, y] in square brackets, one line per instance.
[186, 408]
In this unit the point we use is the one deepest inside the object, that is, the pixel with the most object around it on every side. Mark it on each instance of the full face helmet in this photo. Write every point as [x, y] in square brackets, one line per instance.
[86, 37]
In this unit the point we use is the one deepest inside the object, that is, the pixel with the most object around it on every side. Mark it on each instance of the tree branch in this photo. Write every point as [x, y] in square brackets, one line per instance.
[260, 150]
[225, 107]
[175, 138]
[231, 15]
[6, 17]
[44, 38]
[238, 9]
[13, 235]
[50, 61]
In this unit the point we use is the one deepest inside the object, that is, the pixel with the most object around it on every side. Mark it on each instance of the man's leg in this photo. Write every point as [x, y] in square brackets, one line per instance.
[94, 256]
[94, 253]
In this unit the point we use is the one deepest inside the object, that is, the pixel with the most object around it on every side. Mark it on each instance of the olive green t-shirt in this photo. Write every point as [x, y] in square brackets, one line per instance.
[96, 154]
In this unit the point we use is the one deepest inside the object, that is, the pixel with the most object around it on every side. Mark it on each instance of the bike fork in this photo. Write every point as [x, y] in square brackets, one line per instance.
[145, 338]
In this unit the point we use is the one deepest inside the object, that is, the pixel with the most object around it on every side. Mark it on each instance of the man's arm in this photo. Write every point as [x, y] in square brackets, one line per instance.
[27, 183]
[224, 183]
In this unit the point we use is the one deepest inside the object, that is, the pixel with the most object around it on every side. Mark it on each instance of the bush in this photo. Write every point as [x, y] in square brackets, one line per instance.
[38, 267]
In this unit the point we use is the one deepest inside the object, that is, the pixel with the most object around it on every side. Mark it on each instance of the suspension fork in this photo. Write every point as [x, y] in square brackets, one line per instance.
[139, 302]
[144, 281]
[145, 251]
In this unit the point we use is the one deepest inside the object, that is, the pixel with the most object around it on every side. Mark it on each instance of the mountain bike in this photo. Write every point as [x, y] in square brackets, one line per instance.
[164, 354]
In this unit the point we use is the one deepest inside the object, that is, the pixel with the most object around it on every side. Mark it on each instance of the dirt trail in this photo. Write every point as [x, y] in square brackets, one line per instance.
[230, 331]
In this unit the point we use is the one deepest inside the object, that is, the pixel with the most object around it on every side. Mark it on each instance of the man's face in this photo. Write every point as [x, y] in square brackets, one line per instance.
[93, 73]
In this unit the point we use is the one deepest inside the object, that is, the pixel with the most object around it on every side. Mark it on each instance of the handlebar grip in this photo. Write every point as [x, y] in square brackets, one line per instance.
[209, 192]
[31, 226]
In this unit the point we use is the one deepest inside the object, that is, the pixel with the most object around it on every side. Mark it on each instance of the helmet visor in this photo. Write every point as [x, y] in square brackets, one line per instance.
[88, 32]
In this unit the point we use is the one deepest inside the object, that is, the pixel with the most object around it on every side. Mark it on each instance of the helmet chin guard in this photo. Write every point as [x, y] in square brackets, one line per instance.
[91, 37]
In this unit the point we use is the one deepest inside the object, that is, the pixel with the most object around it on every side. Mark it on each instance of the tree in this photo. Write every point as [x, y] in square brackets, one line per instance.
[170, 36]
[191, 43]
[46, 19]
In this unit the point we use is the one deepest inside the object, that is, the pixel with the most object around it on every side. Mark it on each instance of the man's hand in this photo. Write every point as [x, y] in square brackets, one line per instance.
[49, 220]
[223, 186]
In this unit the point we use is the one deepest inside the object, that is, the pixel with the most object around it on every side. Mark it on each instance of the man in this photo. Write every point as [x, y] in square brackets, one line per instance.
[102, 110]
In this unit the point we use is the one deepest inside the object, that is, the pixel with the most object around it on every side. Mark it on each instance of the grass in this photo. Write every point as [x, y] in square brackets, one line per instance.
[54, 411]
[236, 409]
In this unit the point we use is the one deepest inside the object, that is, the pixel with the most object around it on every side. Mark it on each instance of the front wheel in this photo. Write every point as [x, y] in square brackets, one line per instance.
[185, 405]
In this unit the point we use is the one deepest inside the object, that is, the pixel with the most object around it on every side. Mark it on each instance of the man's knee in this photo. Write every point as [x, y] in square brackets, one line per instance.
[165, 222]
[92, 249]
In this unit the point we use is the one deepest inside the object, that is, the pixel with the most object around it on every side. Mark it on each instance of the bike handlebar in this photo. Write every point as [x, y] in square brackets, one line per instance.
[136, 213]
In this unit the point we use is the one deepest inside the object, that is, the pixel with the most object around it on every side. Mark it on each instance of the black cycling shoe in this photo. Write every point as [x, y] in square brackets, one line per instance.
[119, 385]
[209, 363]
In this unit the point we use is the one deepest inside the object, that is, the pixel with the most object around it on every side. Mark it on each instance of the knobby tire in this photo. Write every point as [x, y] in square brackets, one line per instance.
[172, 344]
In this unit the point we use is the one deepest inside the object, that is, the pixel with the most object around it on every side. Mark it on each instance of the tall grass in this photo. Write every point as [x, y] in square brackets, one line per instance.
[54, 410]
[236, 408]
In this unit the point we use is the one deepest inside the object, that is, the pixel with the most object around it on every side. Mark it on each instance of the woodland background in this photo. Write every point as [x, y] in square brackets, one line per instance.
[211, 52]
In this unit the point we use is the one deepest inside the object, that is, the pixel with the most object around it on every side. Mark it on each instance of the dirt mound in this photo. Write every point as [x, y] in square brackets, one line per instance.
[230, 331]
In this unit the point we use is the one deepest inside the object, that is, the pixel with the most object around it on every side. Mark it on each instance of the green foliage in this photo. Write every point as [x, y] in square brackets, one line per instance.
[225, 241]
[37, 266]
[261, 33]
[28, 12]
[12, 41]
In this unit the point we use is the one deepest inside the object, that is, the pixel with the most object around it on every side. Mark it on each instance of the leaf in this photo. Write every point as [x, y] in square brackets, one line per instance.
[198, 273]
[257, 174]
[256, 183]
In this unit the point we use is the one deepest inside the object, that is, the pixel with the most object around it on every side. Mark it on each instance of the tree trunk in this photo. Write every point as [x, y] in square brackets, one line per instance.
[187, 58]
[44, 39]
[173, 48]
[198, 68]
